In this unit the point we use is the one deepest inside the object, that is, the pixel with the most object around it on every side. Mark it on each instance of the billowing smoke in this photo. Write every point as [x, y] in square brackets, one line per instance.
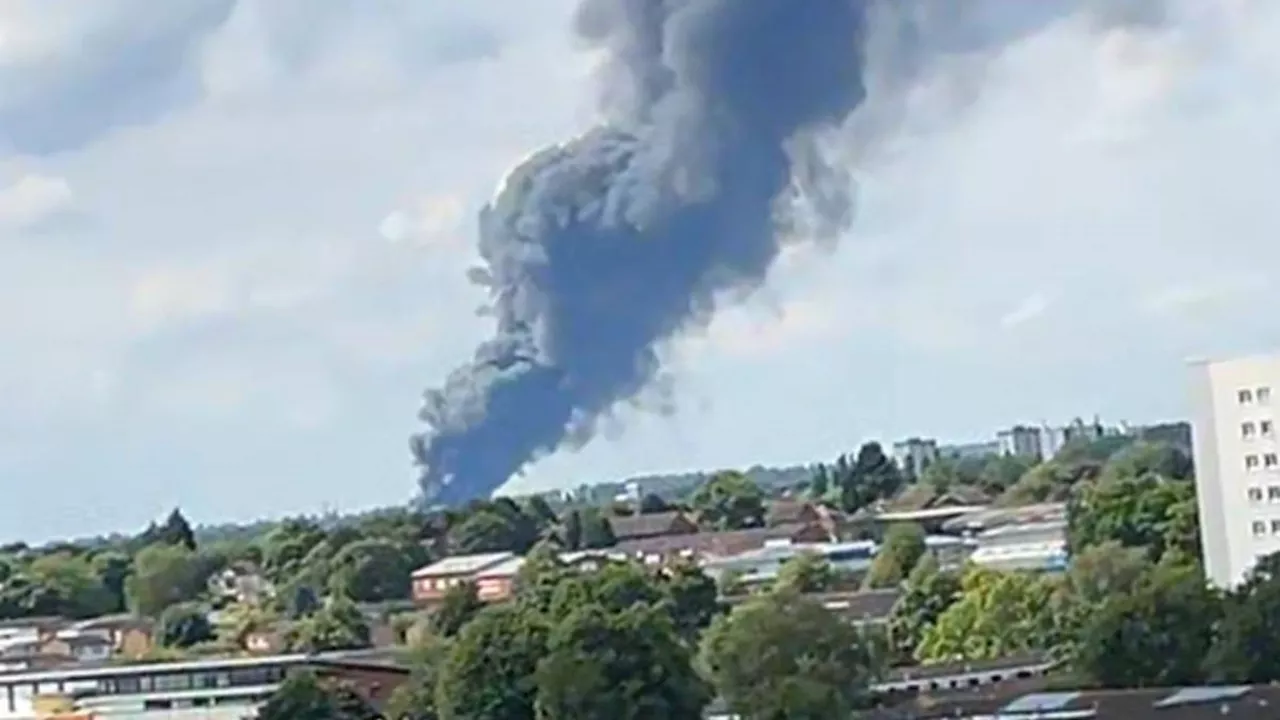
[598, 250]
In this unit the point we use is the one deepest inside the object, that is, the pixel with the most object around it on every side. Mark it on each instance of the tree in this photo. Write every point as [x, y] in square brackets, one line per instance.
[303, 696]
[651, 503]
[807, 573]
[870, 476]
[183, 625]
[177, 531]
[729, 501]
[339, 625]
[458, 606]
[781, 656]
[163, 575]
[1097, 574]
[1247, 647]
[928, 593]
[627, 665]
[1145, 512]
[69, 586]
[1157, 636]
[489, 669]
[112, 568]
[1144, 458]
[903, 546]
[691, 598]
[371, 570]
[597, 531]
[997, 614]
[415, 699]
[286, 545]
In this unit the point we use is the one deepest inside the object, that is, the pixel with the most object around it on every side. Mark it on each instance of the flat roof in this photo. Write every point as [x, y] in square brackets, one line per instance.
[930, 513]
[463, 564]
[354, 658]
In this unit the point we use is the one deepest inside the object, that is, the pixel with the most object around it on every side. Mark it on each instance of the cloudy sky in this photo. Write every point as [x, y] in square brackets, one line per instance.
[234, 237]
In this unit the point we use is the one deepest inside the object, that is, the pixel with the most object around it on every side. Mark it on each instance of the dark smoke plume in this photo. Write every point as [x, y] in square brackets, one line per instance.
[600, 249]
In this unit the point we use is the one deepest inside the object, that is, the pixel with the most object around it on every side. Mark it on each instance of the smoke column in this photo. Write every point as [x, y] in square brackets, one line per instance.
[599, 249]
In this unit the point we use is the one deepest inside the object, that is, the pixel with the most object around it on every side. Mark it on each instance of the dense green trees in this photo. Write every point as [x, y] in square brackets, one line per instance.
[782, 656]
[729, 501]
[901, 549]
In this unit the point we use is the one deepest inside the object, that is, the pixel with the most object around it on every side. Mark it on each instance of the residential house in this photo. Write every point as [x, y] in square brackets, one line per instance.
[81, 647]
[430, 583]
[497, 582]
[922, 504]
[651, 525]
[242, 582]
[130, 635]
[792, 512]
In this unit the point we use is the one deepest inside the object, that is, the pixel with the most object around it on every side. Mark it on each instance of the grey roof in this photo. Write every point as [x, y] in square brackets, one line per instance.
[626, 527]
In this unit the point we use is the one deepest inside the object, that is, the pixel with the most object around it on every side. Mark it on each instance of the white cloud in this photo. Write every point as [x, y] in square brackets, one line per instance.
[430, 221]
[32, 200]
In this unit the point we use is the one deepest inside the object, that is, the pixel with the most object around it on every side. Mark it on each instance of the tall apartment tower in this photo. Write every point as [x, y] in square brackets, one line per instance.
[1235, 408]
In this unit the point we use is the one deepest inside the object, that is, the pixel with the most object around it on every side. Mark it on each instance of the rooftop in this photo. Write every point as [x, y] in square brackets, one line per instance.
[463, 564]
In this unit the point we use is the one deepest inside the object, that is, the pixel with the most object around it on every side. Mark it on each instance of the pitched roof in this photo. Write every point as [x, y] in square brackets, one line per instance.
[729, 542]
[632, 527]
[462, 564]
[789, 510]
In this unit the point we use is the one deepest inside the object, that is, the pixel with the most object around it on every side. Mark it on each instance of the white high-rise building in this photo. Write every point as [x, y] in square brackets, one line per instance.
[1237, 456]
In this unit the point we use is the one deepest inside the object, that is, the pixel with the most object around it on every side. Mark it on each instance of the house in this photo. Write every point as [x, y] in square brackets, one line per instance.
[651, 525]
[789, 511]
[497, 582]
[31, 628]
[430, 583]
[81, 647]
[130, 635]
[240, 583]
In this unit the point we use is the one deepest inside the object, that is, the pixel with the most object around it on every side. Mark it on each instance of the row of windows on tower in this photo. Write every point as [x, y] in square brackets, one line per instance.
[1260, 527]
[1263, 428]
[1269, 461]
[1273, 494]
[1249, 396]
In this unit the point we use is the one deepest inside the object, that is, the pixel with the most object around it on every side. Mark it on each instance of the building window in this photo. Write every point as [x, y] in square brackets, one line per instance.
[1266, 429]
[1259, 527]
[1273, 493]
[1245, 396]
[1270, 460]
[1247, 430]
[1264, 395]
[1250, 462]
[1275, 527]
[1255, 494]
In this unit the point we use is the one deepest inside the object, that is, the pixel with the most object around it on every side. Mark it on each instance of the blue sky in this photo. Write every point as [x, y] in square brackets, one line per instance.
[234, 237]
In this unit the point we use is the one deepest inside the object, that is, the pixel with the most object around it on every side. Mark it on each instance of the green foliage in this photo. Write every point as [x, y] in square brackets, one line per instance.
[338, 625]
[927, 594]
[997, 614]
[1247, 647]
[183, 625]
[63, 584]
[807, 573]
[1156, 636]
[489, 671]
[782, 656]
[1146, 512]
[690, 598]
[371, 570]
[163, 575]
[458, 606]
[902, 548]
[303, 696]
[625, 664]
[861, 479]
[729, 501]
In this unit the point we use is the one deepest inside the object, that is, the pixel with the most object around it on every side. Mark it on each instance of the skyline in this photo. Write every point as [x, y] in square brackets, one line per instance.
[236, 245]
